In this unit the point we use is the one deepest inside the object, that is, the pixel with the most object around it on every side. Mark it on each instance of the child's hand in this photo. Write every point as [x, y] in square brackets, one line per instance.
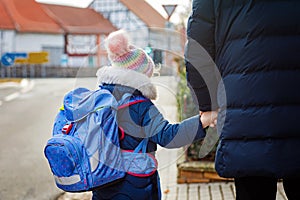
[208, 118]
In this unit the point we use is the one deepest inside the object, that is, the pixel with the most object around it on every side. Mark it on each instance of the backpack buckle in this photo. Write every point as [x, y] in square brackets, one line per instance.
[67, 128]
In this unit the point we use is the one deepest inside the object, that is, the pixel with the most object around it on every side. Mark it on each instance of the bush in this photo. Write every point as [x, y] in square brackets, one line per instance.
[186, 107]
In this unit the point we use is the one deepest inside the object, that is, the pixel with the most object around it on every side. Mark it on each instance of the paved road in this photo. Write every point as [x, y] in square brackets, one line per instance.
[25, 125]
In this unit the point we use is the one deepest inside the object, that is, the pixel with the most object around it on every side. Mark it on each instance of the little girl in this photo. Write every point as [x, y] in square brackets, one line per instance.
[130, 73]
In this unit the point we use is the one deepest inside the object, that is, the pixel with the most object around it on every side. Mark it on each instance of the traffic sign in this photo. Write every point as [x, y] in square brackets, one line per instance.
[8, 59]
[169, 9]
[38, 57]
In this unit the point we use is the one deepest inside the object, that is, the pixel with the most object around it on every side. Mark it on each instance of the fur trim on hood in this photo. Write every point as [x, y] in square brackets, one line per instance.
[127, 77]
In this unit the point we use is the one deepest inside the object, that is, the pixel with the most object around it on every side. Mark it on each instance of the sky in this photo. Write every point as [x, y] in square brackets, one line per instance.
[157, 4]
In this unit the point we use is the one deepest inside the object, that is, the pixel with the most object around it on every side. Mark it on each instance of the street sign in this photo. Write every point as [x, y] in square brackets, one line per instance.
[8, 59]
[20, 61]
[169, 9]
[38, 57]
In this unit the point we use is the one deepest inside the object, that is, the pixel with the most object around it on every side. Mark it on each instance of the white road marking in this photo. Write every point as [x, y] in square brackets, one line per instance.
[12, 96]
[26, 86]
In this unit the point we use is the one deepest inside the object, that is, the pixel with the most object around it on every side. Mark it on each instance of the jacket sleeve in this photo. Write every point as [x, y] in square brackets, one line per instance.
[169, 135]
[200, 54]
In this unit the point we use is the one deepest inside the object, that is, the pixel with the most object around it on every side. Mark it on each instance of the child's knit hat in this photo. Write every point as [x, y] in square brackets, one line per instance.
[122, 54]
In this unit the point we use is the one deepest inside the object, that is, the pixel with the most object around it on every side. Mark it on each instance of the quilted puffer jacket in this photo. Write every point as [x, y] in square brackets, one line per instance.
[256, 48]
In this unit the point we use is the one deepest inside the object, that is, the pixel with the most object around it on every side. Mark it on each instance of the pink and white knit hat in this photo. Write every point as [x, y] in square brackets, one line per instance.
[122, 54]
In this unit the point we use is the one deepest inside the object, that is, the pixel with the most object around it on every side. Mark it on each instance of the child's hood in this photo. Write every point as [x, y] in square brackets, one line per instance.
[127, 77]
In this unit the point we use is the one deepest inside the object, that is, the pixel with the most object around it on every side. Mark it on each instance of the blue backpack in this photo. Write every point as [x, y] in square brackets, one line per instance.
[84, 151]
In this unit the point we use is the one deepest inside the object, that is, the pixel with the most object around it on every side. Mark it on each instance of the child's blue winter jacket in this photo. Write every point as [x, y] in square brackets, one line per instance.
[139, 121]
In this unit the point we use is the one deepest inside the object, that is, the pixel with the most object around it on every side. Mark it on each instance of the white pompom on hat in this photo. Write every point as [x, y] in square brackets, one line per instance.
[123, 54]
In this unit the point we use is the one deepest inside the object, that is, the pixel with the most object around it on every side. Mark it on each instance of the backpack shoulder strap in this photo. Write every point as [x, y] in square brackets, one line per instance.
[142, 146]
[126, 101]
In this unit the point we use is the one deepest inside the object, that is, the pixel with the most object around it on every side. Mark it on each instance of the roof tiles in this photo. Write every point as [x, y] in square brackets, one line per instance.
[30, 16]
[146, 13]
[79, 20]
[6, 21]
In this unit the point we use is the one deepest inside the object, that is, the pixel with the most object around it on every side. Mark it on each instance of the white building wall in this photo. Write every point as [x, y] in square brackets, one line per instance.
[6, 41]
[121, 17]
[118, 14]
[33, 42]
[166, 42]
[30, 42]
[14, 42]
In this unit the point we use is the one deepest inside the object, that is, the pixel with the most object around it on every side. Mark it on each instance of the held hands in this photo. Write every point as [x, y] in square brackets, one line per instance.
[208, 118]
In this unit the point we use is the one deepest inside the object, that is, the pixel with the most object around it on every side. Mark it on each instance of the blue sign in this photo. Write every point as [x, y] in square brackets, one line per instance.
[8, 59]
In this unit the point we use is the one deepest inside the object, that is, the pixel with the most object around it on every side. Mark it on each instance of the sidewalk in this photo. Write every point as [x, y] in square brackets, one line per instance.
[167, 159]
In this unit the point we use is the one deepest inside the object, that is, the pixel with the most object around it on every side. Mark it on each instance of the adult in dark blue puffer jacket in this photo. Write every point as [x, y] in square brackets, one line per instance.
[256, 48]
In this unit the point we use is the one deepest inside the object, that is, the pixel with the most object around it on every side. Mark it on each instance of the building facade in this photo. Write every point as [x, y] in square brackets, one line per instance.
[148, 29]
[60, 35]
